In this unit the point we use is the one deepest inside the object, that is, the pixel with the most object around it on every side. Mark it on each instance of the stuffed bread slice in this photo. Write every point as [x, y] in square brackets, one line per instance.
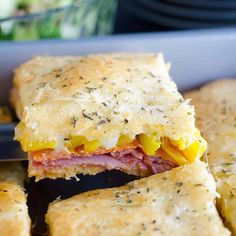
[14, 218]
[102, 112]
[179, 202]
[215, 105]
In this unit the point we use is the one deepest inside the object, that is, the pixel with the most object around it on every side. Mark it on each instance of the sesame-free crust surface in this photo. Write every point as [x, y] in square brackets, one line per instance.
[215, 105]
[99, 97]
[177, 202]
[14, 218]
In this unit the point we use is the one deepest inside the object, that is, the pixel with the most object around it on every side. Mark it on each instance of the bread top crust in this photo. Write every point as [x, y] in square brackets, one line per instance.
[100, 97]
[14, 218]
[177, 202]
[215, 105]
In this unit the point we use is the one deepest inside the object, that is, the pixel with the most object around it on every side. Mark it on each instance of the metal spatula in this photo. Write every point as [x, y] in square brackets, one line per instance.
[10, 150]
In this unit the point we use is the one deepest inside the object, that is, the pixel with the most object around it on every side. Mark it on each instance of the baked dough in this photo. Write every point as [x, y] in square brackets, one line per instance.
[14, 218]
[99, 97]
[215, 105]
[178, 202]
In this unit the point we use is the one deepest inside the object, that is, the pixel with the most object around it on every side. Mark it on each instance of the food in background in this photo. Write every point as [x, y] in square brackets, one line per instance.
[215, 105]
[15, 220]
[179, 202]
[35, 19]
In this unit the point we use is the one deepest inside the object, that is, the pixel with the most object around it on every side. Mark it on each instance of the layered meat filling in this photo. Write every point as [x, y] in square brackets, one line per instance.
[131, 161]
[145, 155]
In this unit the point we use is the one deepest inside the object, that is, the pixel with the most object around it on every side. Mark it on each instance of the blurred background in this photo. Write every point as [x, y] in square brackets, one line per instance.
[71, 19]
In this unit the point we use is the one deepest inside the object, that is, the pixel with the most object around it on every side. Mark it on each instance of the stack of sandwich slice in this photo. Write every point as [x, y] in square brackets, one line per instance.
[85, 115]
[102, 112]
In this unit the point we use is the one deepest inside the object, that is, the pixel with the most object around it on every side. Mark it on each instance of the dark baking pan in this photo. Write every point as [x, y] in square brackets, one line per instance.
[185, 12]
[197, 57]
[179, 17]
[206, 4]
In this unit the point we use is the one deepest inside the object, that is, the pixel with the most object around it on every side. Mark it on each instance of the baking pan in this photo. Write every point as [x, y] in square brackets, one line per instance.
[196, 56]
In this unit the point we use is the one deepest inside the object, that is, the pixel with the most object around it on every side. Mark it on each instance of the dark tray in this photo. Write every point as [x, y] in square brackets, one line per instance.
[196, 56]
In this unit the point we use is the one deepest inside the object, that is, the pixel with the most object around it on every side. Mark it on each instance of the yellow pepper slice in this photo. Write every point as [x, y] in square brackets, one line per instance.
[30, 146]
[195, 150]
[180, 143]
[77, 140]
[149, 143]
[173, 152]
[92, 146]
[37, 145]
[123, 140]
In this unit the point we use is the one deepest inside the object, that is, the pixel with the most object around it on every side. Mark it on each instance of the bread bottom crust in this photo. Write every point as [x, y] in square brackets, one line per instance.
[71, 171]
[67, 172]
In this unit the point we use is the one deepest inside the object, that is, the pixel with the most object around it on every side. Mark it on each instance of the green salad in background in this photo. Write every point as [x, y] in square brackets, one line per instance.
[36, 19]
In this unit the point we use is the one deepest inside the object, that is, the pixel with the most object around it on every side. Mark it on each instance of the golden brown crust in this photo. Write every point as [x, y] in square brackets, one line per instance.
[215, 105]
[227, 202]
[177, 202]
[63, 172]
[100, 97]
[14, 218]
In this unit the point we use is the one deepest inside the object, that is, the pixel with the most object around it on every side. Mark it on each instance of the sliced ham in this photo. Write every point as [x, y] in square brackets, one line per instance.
[132, 161]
